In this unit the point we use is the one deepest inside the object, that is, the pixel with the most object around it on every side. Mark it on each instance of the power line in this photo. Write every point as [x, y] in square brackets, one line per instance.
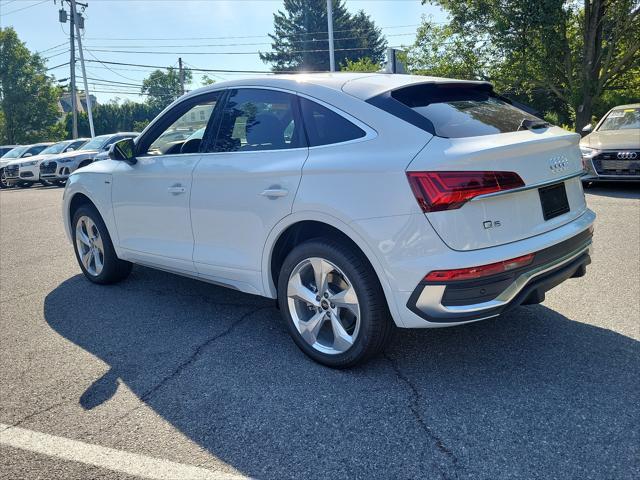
[56, 55]
[58, 66]
[214, 70]
[52, 48]
[223, 53]
[245, 36]
[24, 8]
[245, 44]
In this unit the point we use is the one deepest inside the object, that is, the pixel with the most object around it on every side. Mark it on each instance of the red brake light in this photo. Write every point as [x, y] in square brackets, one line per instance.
[437, 191]
[472, 273]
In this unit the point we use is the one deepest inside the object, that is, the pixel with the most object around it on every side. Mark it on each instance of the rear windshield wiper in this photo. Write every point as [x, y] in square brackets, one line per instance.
[527, 124]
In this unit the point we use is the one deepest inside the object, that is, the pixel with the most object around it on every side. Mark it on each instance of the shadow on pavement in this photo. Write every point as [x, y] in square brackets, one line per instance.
[614, 189]
[530, 395]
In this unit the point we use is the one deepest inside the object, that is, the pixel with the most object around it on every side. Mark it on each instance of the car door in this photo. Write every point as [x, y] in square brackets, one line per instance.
[246, 183]
[151, 196]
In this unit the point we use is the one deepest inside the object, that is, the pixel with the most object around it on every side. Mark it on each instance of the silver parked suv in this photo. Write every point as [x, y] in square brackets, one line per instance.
[58, 170]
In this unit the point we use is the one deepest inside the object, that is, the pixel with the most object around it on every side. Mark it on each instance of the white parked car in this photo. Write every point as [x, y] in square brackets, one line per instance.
[29, 169]
[359, 201]
[58, 169]
[11, 161]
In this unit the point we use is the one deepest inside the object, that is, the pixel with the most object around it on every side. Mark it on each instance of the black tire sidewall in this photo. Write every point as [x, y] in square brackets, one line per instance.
[362, 279]
[110, 262]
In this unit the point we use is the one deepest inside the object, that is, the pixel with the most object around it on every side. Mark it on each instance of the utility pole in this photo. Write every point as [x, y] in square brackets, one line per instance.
[332, 59]
[72, 65]
[84, 72]
[181, 76]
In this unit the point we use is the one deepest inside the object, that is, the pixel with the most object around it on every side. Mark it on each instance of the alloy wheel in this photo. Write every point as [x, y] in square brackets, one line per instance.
[323, 305]
[90, 246]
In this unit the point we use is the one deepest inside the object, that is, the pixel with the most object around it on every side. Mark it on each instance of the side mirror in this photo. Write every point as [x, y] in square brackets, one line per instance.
[586, 129]
[124, 151]
[27, 155]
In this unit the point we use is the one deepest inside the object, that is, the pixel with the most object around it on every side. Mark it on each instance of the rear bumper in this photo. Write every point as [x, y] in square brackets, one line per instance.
[466, 301]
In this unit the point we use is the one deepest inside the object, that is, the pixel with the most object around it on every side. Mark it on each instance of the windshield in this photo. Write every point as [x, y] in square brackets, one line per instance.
[16, 152]
[96, 143]
[460, 110]
[621, 119]
[57, 148]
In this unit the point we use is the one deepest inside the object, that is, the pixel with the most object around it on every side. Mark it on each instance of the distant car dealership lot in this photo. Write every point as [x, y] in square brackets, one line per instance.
[170, 368]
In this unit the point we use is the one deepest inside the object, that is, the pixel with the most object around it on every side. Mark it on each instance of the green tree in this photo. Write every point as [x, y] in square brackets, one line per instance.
[207, 80]
[28, 98]
[562, 56]
[162, 88]
[115, 117]
[301, 42]
[361, 65]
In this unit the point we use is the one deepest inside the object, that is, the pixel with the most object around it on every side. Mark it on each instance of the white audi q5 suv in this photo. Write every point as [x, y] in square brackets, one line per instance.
[359, 201]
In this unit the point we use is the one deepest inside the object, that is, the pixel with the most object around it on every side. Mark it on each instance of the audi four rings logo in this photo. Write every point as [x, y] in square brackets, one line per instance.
[558, 164]
[627, 155]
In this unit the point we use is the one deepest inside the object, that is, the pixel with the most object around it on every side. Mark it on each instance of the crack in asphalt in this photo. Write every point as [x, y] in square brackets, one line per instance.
[196, 353]
[413, 406]
[35, 414]
[145, 397]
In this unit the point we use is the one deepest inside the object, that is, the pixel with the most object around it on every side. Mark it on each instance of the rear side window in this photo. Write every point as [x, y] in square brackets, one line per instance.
[325, 127]
[459, 110]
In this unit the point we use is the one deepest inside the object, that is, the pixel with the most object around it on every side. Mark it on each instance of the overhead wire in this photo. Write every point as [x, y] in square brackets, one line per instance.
[24, 8]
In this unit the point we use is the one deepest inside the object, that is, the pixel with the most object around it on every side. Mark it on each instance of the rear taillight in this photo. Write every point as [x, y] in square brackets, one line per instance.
[437, 191]
[473, 273]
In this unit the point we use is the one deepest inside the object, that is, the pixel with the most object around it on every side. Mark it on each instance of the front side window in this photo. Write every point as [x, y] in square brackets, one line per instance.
[460, 110]
[256, 119]
[621, 119]
[325, 127]
[179, 136]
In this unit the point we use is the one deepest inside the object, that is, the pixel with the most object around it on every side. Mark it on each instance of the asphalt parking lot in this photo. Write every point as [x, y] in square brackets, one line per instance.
[163, 377]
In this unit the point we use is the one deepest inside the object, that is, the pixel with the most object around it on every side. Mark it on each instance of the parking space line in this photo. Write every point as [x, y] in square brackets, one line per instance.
[104, 457]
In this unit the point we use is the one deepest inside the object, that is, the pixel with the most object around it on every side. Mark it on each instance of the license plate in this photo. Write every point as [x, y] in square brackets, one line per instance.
[554, 200]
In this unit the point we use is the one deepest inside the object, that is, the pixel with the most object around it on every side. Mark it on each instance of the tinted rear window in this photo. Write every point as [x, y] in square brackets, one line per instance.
[325, 127]
[457, 110]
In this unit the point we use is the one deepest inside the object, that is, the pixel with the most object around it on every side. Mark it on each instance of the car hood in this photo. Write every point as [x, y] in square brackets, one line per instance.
[37, 158]
[12, 161]
[613, 140]
[75, 153]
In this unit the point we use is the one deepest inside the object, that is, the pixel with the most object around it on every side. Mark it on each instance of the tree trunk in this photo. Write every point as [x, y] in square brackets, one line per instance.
[594, 11]
[584, 111]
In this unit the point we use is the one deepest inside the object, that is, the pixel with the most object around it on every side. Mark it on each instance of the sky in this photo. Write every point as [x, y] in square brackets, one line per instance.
[219, 29]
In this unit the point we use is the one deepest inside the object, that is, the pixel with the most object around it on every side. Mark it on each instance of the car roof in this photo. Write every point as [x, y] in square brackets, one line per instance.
[360, 85]
[631, 105]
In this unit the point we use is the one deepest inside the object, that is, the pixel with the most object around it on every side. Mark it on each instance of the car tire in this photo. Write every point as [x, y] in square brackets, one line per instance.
[350, 296]
[94, 250]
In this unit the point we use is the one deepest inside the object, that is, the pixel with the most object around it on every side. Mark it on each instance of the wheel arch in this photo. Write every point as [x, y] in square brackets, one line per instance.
[302, 226]
[95, 191]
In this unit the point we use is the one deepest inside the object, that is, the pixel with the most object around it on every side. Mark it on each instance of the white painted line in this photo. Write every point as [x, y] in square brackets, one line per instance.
[104, 457]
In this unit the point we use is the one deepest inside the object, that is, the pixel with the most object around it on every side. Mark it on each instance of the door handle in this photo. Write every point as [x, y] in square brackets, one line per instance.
[275, 192]
[176, 189]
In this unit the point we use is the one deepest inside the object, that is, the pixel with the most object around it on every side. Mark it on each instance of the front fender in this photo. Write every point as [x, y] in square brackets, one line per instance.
[97, 188]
